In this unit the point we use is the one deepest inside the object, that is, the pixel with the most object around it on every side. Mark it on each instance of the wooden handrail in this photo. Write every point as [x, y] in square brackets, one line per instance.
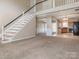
[24, 13]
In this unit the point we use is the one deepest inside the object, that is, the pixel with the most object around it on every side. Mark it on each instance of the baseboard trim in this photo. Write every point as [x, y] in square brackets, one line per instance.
[25, 38]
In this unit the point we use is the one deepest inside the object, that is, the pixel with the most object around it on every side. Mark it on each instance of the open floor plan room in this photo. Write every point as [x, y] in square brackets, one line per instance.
[41, 47]
[39, 29]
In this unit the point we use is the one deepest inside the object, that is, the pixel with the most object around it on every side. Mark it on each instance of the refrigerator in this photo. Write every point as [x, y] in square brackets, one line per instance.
[76, 28]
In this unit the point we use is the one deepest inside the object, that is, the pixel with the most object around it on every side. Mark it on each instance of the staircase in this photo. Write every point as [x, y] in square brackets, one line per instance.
[10, 33]
[10, 30]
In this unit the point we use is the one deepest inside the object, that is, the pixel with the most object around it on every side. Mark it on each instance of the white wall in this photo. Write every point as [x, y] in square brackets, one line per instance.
[28, 31]
[41, 25]
[49, 27]
[10, 9]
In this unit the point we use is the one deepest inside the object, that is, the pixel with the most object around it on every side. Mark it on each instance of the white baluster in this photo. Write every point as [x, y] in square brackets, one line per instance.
[73, 1]
[69, 1]
[53, 3]
[3, 33]
[23, 13]
[63, 1]
[77, 0]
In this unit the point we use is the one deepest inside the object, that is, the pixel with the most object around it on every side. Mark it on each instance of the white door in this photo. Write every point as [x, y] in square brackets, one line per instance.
[54, 29]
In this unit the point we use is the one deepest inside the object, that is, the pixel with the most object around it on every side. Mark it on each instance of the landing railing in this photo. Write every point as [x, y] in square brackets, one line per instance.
[64, 2]
[54, 3]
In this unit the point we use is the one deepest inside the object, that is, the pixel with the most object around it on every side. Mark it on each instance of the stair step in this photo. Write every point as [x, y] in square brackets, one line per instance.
[24, 22]
[10, 32]
[18, 26]
[6, 41]
[8, 35]
[14, 29]
[21, 23]
[8, 38]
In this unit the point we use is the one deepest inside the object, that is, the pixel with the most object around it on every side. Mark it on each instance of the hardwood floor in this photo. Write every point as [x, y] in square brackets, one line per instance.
[41, 47]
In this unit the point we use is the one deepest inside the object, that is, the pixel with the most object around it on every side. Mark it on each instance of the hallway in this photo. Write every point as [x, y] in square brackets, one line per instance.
[41, 47]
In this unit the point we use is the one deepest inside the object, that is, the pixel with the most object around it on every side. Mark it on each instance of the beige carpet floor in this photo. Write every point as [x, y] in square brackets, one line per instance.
[41, 47]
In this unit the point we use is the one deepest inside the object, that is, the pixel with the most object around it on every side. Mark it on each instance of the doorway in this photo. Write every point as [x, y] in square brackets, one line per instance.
[41, 27]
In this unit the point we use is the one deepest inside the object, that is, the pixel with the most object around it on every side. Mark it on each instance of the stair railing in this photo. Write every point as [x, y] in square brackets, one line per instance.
[23, 13]
[3, 27]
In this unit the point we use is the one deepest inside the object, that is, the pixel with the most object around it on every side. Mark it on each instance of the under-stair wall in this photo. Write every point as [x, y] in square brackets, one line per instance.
[28, 31]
